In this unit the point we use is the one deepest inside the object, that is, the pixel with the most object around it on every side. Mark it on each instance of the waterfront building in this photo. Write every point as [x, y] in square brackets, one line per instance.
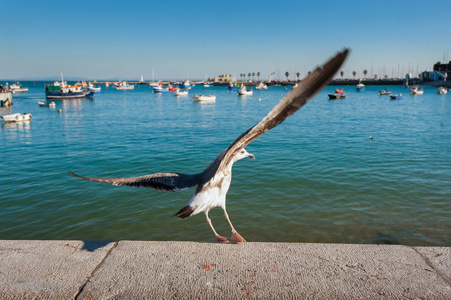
[222, 78]
[441, 72]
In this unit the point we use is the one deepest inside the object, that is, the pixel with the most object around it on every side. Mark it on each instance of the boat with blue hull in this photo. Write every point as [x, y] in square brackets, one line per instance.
[160, 89]
[185, 85]
[233, 87]
[61, 90]
[360, 87]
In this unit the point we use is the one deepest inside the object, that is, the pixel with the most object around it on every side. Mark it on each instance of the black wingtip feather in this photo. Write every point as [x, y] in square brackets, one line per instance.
[73, 174]
[184, 213]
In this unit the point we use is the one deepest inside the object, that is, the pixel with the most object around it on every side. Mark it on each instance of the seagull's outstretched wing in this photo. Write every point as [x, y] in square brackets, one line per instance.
[171, 182]
[294, 100]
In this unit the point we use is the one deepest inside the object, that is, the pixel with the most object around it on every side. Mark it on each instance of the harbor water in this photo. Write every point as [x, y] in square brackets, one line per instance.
[317, 177]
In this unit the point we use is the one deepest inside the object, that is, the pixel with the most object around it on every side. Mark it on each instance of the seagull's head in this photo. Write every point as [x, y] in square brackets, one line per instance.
[242, 154]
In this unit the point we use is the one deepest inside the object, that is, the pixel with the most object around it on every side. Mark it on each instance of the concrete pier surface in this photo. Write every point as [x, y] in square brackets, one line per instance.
[197, 270]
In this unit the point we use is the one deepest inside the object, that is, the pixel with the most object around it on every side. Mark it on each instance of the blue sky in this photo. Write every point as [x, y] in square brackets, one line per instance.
[194, 39]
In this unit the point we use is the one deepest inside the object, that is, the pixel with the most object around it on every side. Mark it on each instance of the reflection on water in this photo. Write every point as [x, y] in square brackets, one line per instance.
[17, 126]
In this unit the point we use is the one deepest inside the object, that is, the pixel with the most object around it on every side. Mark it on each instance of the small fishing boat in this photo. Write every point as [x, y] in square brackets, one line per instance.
[242, 91]
[179, 92]
[360, 87]
[245, 93]
[384, 92]
[199, 98]
[233, 87]
[339, 91]
[416, 91]
[261, 86]
[61, 90]
[207, 84]
[172, 88]
[17, 88]
[154, 84]
[46, 104]
[160, 89]
[17, 117]
[336, 96]
[185, 85]
[92, 87]
[442, 91]
[123, 86]
[396, 97]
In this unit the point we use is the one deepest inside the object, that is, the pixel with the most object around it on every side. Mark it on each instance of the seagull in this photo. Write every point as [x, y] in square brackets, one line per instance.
[213, 183]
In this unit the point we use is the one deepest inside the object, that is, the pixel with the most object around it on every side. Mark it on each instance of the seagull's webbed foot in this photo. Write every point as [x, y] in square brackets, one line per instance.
[221, 239]
[236, 237]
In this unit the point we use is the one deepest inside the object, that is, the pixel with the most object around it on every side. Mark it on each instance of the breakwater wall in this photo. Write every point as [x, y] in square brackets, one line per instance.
[396, 81]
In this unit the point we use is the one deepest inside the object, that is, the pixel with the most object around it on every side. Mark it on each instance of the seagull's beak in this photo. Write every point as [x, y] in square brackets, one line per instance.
[251, 156]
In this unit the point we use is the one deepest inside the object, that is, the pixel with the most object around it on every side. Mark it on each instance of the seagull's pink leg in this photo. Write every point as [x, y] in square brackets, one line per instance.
[218, 237]
[236, 237]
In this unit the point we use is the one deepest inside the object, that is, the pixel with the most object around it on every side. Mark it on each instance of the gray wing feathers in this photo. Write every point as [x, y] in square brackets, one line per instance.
[294, 100]
[172, 182]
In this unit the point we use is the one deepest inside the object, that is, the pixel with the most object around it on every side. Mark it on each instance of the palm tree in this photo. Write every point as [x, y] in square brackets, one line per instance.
[287, 74]
[258, 76]
[354, 73]
[386, 76]
[364, 73]
[249, 75]
[375, 76]
[342, 73]
[298, 74]
[253, 76]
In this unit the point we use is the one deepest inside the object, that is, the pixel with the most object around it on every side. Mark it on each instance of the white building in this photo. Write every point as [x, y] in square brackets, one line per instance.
[223, 78]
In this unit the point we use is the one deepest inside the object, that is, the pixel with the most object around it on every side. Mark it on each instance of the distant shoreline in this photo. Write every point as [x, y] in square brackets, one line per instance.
[393, 81]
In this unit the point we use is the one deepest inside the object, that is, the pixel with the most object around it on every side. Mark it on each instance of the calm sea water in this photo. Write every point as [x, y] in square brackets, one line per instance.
[317, 177]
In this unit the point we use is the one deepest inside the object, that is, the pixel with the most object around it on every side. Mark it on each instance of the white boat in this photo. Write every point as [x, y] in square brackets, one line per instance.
[17, 88]
[46, 104]
[154, 84]
[179, 92]
[442, 91]
[17, 117]
[207, 84]
[261, 86]
[186, 84]
[384, 92]
[242, 91]
[199, 98]
[124, 86]
[416, 91]
[360, 87]
[160, 89]
[92, 87]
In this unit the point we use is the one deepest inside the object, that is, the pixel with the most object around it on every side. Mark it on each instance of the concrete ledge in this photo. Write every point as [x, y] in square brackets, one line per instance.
[192, 270]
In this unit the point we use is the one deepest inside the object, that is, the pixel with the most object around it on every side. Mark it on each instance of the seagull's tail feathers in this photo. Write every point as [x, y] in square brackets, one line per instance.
[171, 182]
[184, 213]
